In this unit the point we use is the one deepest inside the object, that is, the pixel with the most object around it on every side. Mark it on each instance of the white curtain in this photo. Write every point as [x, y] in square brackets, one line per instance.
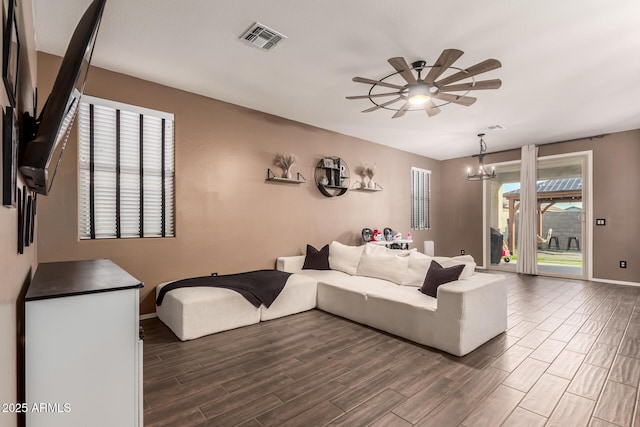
[527, 241]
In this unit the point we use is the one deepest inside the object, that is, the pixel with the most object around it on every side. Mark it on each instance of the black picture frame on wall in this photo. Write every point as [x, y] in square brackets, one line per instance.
[9, 158]
[10, 51]
[27, 221]
[33, 218]
[20, 223]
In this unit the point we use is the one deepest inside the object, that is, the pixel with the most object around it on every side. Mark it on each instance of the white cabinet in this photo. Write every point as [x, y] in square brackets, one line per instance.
[83, 354]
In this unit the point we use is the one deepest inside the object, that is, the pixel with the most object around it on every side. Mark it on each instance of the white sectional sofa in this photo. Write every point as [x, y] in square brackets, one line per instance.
[375, 286]
[466, 313]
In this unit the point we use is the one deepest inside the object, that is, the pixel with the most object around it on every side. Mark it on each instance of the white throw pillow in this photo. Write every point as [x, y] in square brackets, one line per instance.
[467, 260]
[344, 258]
[391, 266]
[419, 264]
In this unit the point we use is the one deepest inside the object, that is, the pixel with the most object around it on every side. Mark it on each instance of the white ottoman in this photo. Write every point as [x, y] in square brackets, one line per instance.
[198, 311]
[194, 312]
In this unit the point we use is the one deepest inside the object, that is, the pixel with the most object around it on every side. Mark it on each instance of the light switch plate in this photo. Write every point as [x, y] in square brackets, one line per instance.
[601, 221]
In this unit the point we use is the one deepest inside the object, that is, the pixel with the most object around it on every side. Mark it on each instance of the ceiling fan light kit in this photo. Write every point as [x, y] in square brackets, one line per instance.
[420, 93]
[424, 92]
[481, 173]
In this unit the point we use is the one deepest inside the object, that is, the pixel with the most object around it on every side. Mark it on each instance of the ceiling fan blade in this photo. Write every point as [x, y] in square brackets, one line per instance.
[482, 67]
[431, 108]
[485, 84]
[401, 112]
[377, 95]
[374, 108]
[446, 60]
[376, 82]
[403, 68]
[456, 99]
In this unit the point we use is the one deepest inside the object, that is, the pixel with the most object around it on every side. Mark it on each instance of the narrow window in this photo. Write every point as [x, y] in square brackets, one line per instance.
[420, 197]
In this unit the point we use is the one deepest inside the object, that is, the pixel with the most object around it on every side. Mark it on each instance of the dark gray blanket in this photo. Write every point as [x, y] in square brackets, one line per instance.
[258, 287]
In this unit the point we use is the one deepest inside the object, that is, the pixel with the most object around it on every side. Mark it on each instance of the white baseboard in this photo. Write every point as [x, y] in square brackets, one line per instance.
[148, 316]
[615, 282]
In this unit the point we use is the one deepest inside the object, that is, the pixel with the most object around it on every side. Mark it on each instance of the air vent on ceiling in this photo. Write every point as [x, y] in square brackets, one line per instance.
[262, 36]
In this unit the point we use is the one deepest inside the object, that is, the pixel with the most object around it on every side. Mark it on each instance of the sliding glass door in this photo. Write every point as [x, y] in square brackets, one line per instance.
[561, 214]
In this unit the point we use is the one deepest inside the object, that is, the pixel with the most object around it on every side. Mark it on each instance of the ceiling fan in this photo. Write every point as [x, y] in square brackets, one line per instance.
[421, 91]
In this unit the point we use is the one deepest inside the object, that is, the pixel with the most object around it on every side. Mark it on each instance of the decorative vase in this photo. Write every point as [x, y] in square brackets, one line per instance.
[286, 173]
[371, 185]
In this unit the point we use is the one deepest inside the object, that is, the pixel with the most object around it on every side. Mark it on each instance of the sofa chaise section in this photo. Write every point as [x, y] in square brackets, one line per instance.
[195, 312]
[465, 314]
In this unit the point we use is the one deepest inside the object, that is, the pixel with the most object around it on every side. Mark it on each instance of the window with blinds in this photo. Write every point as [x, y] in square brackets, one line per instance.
[126, 171]
[420, 196]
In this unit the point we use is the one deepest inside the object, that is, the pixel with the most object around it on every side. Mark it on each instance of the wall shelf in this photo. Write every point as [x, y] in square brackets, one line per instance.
[300, 179]
[332, 176]
[378, 187]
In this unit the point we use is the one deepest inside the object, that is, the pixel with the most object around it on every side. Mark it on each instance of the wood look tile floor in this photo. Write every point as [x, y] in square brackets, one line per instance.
[571, 357]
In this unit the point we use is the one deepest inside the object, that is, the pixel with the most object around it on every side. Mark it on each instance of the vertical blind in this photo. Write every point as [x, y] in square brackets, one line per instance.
[126, 164]
[420, 196]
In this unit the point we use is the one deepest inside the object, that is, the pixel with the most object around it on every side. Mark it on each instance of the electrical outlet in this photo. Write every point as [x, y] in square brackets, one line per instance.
[461, 251]
[623, 264]
[601, 221]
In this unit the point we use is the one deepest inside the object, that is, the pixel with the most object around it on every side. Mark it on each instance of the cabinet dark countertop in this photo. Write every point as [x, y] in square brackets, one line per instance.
[68, 278]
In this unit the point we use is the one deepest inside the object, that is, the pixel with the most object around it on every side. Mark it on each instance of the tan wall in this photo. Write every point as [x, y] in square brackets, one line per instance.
[461, 216]
[616, 194]
[16, 270]
[228, 218]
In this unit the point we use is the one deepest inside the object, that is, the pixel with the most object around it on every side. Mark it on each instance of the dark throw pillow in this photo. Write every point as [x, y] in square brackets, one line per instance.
[316, 259]
[437, 275]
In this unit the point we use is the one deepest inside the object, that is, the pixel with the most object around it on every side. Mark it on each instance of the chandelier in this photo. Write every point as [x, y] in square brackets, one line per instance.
[481, 173]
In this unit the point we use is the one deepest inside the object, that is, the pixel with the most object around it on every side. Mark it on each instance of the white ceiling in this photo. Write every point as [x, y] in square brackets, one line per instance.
[571, 68]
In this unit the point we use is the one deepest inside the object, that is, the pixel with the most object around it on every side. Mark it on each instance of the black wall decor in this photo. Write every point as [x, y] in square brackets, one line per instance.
[9, 158]
[26, 218]
[20, 222]
[11, 52]
[33, 218]
[27, 221]
[332, 176]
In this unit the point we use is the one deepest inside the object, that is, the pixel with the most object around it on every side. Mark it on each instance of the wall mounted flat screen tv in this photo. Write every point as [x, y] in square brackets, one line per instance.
[46, 137]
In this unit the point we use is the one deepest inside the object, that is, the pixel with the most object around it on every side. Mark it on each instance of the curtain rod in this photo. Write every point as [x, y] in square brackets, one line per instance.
[591, 138]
